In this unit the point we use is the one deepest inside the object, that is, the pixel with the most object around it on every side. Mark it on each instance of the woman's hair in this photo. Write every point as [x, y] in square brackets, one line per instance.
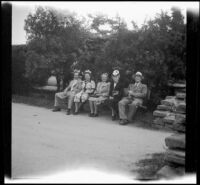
[88, 72]
[104, 74]
[76, 71]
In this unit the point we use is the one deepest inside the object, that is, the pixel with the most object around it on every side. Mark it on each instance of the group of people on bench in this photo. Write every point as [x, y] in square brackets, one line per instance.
[111, 93]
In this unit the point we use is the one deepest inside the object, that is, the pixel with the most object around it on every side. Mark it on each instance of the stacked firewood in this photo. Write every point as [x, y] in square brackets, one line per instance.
[175, 152]
[173, 111]
[170, 109]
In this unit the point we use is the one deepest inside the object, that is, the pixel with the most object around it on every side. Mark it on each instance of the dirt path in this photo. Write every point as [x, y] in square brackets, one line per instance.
[44, 142]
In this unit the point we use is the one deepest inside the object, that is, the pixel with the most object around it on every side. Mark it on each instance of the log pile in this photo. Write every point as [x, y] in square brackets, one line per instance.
[174, 155]
[171, 109]
[171, 113]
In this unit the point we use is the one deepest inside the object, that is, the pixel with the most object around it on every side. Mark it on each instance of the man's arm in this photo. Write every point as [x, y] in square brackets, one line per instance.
[67, 88]
[111, 89]
[143, 94]
[130, 90]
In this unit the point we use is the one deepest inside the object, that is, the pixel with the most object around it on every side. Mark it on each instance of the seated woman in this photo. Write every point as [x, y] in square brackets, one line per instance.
[115, 94]
[100, 95]
[88, 87]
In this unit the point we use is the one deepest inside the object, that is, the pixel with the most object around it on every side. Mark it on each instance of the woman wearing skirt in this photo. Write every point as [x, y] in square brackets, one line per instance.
[100, 95]
[87, 89]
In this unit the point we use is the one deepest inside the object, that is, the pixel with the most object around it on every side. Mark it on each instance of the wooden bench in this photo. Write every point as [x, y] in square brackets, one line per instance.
[141, 108]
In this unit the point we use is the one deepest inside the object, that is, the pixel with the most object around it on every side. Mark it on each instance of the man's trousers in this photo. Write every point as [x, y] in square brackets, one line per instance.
[61, 98]
[132, 107]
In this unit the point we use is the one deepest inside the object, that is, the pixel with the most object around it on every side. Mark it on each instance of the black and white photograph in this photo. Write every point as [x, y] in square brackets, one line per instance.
[98, 91]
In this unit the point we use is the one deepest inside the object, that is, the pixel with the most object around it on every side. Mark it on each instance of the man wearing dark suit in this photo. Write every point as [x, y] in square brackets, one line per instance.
[136, 93]
[115, 93]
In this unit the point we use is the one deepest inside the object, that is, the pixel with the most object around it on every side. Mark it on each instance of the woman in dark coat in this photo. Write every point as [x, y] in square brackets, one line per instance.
[115, 93]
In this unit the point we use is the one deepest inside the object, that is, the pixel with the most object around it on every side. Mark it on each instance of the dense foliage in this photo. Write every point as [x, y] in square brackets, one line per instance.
[20, 84]
[59, 42]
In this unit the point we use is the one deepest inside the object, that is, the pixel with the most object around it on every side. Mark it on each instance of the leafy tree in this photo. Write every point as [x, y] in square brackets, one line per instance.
[54, 40]
[61, 42]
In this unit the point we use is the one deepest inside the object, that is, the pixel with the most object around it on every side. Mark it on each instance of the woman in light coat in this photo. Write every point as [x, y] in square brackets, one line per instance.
[100, 95]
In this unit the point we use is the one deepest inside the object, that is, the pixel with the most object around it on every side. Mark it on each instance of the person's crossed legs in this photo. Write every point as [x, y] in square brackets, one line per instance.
[60, 97]
[70, 96]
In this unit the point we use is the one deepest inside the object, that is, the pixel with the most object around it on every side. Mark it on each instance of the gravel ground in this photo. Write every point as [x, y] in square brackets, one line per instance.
[44, 142]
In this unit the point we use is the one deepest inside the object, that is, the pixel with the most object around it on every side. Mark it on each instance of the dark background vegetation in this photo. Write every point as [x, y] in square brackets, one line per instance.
[59, 42]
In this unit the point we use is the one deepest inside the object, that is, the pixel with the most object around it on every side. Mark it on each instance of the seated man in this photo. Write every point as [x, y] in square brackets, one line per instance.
[71, 90]
[136, 93]
[115, 94]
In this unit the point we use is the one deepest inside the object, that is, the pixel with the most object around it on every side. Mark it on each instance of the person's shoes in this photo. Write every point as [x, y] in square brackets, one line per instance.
[120, 121]
[76, 113]
[68, 112]
[91, 115]
[114, 118]
[96, 115]
[126, 122]
[123, 122]
[117, 117]
[56, 109]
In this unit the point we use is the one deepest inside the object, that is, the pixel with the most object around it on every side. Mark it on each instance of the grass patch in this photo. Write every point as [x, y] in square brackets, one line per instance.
[35, 101]
[147, 168]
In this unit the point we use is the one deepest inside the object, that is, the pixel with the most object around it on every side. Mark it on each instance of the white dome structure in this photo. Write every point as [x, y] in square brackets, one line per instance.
[52, 81]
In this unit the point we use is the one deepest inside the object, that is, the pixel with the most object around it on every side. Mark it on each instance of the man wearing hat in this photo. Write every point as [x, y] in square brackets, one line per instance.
[115, 93]
[70, 91]
[136, 93]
